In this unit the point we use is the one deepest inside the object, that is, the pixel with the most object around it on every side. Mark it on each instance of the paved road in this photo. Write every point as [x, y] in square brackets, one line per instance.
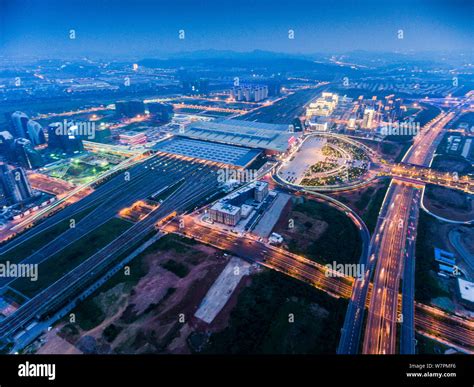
[454, 331]
[394, 252]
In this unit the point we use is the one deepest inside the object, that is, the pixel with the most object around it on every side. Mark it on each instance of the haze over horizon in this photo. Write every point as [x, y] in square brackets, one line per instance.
[143, 28]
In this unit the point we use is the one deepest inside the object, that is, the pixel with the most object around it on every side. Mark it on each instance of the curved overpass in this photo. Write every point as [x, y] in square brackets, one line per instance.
[354, 315]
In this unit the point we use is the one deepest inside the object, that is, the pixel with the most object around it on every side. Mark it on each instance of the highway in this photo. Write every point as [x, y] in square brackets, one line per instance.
[389, 245]
[452, 330]
[393, 247]
[352, 328]
[420, 175]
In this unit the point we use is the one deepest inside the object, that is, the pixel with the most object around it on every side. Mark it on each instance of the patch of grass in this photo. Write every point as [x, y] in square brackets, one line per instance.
[372, 210]
[173, 242]
[28, 247]
[427, 346]
[69, 332]
[260, 321]
[404, 150]
[427, 283]
[339, 242]
[111, 332]
[61, 263]
[89, 314]
[427, 114]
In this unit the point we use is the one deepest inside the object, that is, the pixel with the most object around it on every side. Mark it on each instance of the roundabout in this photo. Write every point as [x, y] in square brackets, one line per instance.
[327, 162]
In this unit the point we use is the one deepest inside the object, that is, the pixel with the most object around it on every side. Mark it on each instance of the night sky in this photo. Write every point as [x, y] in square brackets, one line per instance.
[139, 27]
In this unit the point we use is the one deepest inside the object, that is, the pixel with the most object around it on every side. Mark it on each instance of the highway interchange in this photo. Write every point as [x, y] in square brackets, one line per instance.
[388, 255]
[392, 250]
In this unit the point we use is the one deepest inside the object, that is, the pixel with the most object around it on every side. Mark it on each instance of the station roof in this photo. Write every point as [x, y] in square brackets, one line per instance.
[245, 133]
[206, 150]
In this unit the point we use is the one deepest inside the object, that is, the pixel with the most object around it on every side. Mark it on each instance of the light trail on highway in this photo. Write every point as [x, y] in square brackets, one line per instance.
[393, 249]
[454, 330]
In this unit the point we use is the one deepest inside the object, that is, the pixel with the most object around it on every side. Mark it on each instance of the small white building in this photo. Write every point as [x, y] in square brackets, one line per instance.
[275, 239]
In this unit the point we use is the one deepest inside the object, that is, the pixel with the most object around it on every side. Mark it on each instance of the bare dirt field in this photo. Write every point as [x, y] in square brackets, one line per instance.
[153, 313]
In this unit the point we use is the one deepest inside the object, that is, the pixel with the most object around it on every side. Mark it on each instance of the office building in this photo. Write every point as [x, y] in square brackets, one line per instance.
[160, 111]
[6, 145]
[35, 133]
[261, 190]
[67, 141]
[368, 119]
[15, 185]
[19, 124]
[26, 155]
[274, 88]
[22, 127]
[352, 123]
[225, 213]
[324, 105]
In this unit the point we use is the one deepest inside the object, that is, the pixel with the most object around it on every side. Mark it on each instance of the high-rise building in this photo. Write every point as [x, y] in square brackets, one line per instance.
[26, 155]
[261, 190]
[297, 125]
[19, 124]
[23, 127]
[368, 119]
[274, 88]
[14, 184]
[35, 133]
[66, 140]
[160, 111]
[250, 93]
[6, 145]
[352, 122]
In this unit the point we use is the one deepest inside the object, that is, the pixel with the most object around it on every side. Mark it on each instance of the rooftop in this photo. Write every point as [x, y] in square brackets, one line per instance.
[251, 134]
[211, 151]
[226, 208]
[466, 289]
